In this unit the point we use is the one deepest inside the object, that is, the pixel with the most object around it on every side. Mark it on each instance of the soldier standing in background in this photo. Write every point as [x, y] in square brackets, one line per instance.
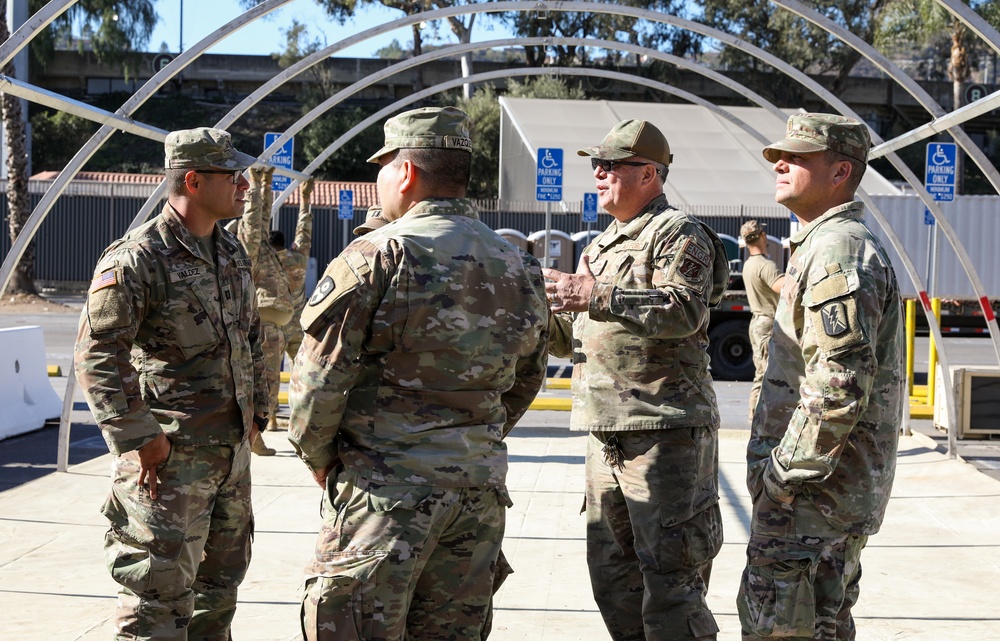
[822, 451]
[169, 358]
[637, 334]
[762, 282]
[274, 299]
[295, 260]
[425, 343]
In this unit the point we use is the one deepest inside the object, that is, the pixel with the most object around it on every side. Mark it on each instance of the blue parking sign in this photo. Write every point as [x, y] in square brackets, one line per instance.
[345, 209]
[283, 158]
[940, 170]
[549, 174]
[590, 207]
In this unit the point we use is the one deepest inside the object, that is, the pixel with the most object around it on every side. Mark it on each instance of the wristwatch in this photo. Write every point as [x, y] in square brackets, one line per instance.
[260, 421]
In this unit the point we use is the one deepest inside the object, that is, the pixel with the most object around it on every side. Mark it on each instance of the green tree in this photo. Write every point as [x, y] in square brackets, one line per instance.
[655, 35]
[484, 112]
[925, 26]
[798, 42]
[114, 29]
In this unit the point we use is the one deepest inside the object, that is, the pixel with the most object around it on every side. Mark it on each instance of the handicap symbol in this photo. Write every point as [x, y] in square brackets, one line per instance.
[548, 162]
[939, 157]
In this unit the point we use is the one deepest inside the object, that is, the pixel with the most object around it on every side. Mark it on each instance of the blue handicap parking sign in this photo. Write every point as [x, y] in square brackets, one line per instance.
[345, 210]
[590, 207]
[549, 174]
[940, 170]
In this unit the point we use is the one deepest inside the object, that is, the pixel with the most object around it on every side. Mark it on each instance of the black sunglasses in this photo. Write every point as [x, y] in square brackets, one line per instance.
[234, 174]
[609, 165]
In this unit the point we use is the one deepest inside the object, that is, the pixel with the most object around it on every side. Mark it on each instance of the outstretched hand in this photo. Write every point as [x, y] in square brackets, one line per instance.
[570, 292]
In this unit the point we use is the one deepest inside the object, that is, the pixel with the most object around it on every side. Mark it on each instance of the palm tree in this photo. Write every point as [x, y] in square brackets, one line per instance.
[116, 29]
[926, 25]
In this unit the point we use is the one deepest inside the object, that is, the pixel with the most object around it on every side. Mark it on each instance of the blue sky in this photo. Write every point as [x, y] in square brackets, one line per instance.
[264, 36]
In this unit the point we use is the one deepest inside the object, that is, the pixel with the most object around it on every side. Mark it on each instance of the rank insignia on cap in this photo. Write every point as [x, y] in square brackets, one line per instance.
[323, 290]
[835, 318]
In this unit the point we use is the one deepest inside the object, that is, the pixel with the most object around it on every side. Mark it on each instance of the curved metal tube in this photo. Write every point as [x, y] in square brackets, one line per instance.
[35, 23]
[100, 137]
[957, 134]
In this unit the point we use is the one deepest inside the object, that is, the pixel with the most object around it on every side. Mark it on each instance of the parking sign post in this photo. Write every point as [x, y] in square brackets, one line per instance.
[284, 158]
[940, 174]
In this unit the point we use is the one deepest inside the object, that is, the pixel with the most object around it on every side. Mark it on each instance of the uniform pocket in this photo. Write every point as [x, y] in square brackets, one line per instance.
[338, 599]
[777, 596]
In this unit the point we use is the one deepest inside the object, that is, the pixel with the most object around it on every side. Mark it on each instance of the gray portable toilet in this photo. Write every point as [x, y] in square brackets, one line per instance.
[515, 238]
[732, 246]
[776, 252]
[581, 240]
[560, 249]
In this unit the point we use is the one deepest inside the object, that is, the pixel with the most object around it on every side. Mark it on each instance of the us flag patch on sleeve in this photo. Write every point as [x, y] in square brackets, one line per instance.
[105, 279]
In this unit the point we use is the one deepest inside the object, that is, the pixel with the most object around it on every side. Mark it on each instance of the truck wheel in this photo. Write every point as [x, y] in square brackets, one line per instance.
[730, 351]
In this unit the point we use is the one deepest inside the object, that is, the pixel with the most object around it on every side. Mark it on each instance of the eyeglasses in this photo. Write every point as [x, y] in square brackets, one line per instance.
[609, 165]
[234, 174]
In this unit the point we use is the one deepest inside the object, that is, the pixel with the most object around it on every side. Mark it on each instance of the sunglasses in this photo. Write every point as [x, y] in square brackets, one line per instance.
[609, 165]
[234, 174]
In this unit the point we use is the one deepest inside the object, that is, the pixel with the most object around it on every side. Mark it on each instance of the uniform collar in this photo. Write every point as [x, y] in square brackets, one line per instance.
[632, 228]
[852, 210]
[176, 225]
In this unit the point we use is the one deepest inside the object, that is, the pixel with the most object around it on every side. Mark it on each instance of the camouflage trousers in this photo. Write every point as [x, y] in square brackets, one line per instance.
[398, 562]
[802, 576]
[293, 334]
[273, 345]
[179, 559]
[653, 528]
[760, 336]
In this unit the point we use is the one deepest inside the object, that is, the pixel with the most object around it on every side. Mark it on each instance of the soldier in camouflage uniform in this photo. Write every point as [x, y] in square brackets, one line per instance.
[295, 260]
[373, 220]
[169, 358]
[762, 282]
[425, 343]
[637, 334]
[274, 297]
[822, 451]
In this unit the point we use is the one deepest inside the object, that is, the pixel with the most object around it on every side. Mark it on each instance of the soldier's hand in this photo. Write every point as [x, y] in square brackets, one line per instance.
[150, 456]
[307, 188]
[256, 174]
[570, 292]
[320, 475]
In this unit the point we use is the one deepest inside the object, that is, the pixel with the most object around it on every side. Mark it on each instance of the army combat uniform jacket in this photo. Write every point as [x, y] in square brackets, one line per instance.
[295, 259]
[826, 426]
[269, 274]
[639, 359]
[168, 341]
[425, 343]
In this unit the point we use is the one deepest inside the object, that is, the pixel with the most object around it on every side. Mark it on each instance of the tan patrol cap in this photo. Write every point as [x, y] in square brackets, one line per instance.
[751, 229]
[203, 147]
[434, 127]
[632, 138]
[809, 133]
[373, 220]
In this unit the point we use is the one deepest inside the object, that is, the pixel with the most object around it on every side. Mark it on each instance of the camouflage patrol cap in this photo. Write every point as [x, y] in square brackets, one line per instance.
[632, 138]
[807, 133]
[751, 229]
[373, 220]
[435, 127]
[203, 147]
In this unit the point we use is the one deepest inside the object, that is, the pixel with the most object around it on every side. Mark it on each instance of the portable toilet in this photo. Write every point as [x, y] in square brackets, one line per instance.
[581, 240]
[560, 249]
[732, 246]
[515, 238]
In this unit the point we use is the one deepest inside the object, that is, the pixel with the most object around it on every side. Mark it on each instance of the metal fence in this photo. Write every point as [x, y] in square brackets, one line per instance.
[90, 216]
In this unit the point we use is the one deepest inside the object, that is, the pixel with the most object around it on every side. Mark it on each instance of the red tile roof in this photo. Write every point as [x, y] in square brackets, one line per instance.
[325, 194]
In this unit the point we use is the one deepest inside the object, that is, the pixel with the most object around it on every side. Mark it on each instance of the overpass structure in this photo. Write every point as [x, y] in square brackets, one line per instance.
[122, 121]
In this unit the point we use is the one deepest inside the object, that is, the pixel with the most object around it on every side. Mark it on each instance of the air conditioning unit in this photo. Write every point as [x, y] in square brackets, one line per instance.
[977, 398]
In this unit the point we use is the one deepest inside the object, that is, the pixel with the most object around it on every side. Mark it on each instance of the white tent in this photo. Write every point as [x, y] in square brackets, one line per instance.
[715, 162]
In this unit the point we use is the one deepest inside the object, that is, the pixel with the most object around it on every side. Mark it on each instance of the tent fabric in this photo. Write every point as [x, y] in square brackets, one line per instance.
[716, 163]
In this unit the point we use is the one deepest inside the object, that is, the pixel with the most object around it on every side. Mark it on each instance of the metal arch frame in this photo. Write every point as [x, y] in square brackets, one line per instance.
[41, 19]
[957, 134]
[465, 9]
[100, 137]
[894, 240]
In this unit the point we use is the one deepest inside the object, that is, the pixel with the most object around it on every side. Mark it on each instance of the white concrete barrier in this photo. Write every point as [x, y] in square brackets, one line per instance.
[27, 399]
